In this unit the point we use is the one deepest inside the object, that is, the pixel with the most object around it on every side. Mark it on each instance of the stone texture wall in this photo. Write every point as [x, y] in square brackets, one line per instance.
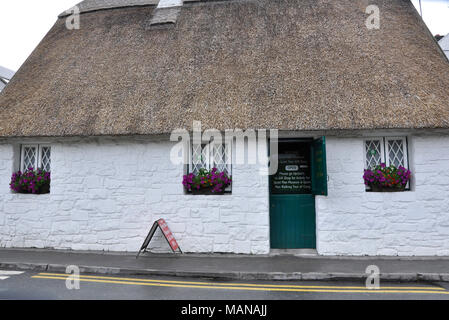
[106, 193]
[351, 221]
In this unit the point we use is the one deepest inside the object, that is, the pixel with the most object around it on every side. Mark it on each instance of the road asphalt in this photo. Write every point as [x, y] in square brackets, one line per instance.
[32, 285]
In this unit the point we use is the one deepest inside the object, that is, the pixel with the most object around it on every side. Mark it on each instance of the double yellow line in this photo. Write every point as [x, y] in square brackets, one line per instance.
[243, 286]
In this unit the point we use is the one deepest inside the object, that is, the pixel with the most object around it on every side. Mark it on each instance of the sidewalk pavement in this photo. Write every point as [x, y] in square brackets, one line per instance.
[228, 266]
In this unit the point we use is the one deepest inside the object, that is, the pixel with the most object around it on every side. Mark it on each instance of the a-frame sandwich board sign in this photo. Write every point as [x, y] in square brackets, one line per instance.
[167, 234]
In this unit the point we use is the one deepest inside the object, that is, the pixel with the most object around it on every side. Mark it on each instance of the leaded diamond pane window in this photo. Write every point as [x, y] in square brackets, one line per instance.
[35, 156]
[29, 157]
[199, 158]
[388, 150]
[210, 156]
[45, 158]
[220, 158]
[373, 150]
[396, 155]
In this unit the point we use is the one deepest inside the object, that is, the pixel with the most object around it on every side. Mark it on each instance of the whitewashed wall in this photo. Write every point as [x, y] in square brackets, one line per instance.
[106, 193]
[351, 221]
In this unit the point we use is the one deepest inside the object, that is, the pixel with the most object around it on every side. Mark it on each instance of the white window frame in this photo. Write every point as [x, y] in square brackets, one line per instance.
[38, 158]
[228, 155]
[385, 154]
[404, 150]
[382, 149]
[210, 161]
[22, 155]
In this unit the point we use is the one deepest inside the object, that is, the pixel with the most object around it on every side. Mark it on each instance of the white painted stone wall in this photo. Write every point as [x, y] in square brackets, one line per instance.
[106, 193]
[351, 221]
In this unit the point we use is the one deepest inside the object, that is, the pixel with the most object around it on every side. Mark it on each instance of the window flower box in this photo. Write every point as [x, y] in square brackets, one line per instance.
[206, 190]
[30, 181]
[206, 182]
[375, 188]
[387, 179]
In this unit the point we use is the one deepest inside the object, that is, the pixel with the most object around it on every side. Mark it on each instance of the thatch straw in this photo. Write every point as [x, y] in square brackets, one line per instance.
[286, 64]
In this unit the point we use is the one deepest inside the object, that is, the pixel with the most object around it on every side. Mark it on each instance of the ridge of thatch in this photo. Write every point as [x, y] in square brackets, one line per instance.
[94, 5]
[285, 64]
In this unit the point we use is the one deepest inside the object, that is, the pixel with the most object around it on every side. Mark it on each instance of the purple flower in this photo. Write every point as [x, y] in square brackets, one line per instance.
[206, 179]
[29, 181]
[384, 176]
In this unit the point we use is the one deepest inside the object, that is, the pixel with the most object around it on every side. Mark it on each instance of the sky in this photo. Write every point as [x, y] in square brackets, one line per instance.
[25, 23]
[435, 14]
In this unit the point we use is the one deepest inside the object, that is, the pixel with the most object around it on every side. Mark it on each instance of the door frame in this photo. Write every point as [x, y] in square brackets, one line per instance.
[310, 141]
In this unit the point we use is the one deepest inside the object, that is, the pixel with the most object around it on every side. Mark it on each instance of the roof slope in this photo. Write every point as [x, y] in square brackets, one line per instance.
[287, 64]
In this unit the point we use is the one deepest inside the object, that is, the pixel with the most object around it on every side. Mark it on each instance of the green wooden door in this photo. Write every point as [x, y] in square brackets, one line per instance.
[319, 168]
[292, 204]
[292, 221]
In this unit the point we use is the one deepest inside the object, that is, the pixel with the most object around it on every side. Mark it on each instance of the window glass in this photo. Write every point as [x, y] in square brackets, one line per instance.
[35, 156]
[45, 158]
[29, 157]
[396, 154]
[209, 156]
[373, 153]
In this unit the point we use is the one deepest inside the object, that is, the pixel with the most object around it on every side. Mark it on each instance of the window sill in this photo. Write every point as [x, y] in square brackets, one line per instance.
[208, 193]
[388, 190]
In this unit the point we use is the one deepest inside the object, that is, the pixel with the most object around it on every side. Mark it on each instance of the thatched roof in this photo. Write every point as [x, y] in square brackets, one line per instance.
[286, 64]
[94, 5]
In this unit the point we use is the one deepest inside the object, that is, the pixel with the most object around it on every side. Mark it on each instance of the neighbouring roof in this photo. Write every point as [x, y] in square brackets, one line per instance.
[5, 76]
[444, 44]
[6, 73]
[286, 64]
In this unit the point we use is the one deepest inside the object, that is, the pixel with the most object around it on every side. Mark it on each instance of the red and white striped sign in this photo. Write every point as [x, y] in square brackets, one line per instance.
[168, 235]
